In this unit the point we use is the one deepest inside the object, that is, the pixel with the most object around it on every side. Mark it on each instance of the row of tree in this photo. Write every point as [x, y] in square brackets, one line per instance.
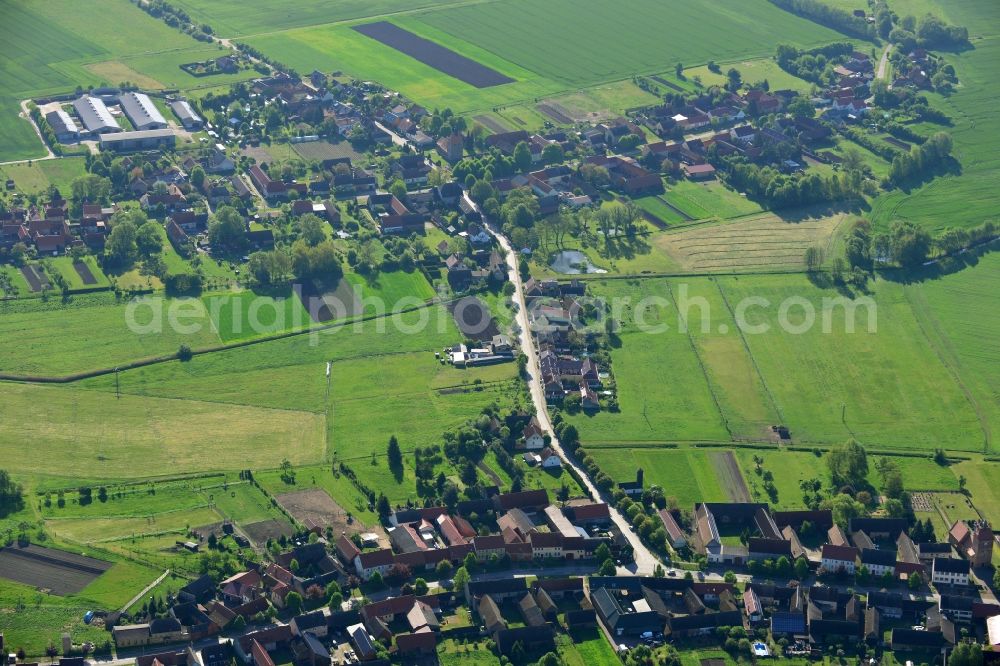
[921, 160]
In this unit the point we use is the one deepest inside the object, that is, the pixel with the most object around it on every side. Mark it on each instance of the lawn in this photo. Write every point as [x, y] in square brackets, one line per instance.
[418, 399]
[983, 482]
[753, 71]
[711, 199]
[136, 437]
[392, 290]
[32, 620]
[832, 385]
[957, 313]
[245, 314]
[587, 648]
[684, 407]
[687, 475]
[37, 177]
[92, 331]
[65, 267]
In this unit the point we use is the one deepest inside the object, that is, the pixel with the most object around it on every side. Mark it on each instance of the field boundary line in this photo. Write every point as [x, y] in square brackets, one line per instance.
[146, 589]
[746, 346]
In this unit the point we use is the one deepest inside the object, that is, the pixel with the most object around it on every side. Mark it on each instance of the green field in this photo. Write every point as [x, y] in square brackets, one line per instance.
[753, 71]
[953, 313]
[967, 199]
[875, 381]
[241, 315]
[91, 331]
[516, 39]
[136, 437]
[714, 384]
[711, 199]
[54, 46]
[36, 177]
[32, 619]
[688, 475]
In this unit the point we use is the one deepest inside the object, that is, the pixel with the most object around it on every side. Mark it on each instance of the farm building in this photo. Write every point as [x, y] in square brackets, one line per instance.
[141, 140]
[62, 125]
[95, 115]
[190, 119]
[142, 112]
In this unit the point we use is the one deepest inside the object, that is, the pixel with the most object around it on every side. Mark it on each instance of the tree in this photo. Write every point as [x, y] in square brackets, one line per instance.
[553, 154]
[801, 568]
[607, 568]
[730, 578]
[197, 177]
[522, 156]
[382, 506]
[394, 454]
[848, 464]
[420, 587]
[844, 507]
[398, 189]
[461, 578]
[149, 239]
[311, 229]
[966, 654]
[814, 257]
[734, 80]
[293, 602]
[120, 247]
[800, 107]
[910, 244]
[227, 230]
[376, 579]
[443, 569]
[11, 495]
[915, 581]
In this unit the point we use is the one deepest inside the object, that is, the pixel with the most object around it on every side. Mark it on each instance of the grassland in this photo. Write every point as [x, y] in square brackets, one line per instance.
[968, 198]
[88, 332]
[711, 383]
[758, 242]
[753, 71]
[55, 46]
[135, 436]
[516, 39]
[711, 199]
[686, 474]
[830, 386]
[954, 312]
[37, 177]
[32, 619]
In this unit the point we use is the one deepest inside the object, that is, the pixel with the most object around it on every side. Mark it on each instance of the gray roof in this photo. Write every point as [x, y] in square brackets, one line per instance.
[141, 110]
[184, 111]
[95, 115]
[61, 122]
[133, 136]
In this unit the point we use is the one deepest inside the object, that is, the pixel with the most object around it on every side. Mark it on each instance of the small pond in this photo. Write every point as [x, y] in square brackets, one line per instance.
[573, 262]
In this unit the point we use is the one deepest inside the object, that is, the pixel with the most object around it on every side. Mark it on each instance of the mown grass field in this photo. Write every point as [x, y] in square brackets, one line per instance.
[686, 474]
[91, 331]
[956, 314]
[757, 242]
[35, 178]
[516, 39]
[711, 199]
[829, 386]
[31, 619]
[753, 71]
[711, 383]
[134, 436]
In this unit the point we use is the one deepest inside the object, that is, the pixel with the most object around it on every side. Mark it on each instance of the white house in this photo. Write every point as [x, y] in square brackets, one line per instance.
[534, 439]
[550, 460]
[948, 571]
[839, 559]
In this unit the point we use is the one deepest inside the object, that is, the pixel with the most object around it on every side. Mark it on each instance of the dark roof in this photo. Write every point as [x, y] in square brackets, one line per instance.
[950, 565]
[891, 526]
[878, 557]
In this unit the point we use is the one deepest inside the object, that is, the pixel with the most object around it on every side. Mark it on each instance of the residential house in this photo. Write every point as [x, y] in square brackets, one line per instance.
[839, 559]
[948, 571]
